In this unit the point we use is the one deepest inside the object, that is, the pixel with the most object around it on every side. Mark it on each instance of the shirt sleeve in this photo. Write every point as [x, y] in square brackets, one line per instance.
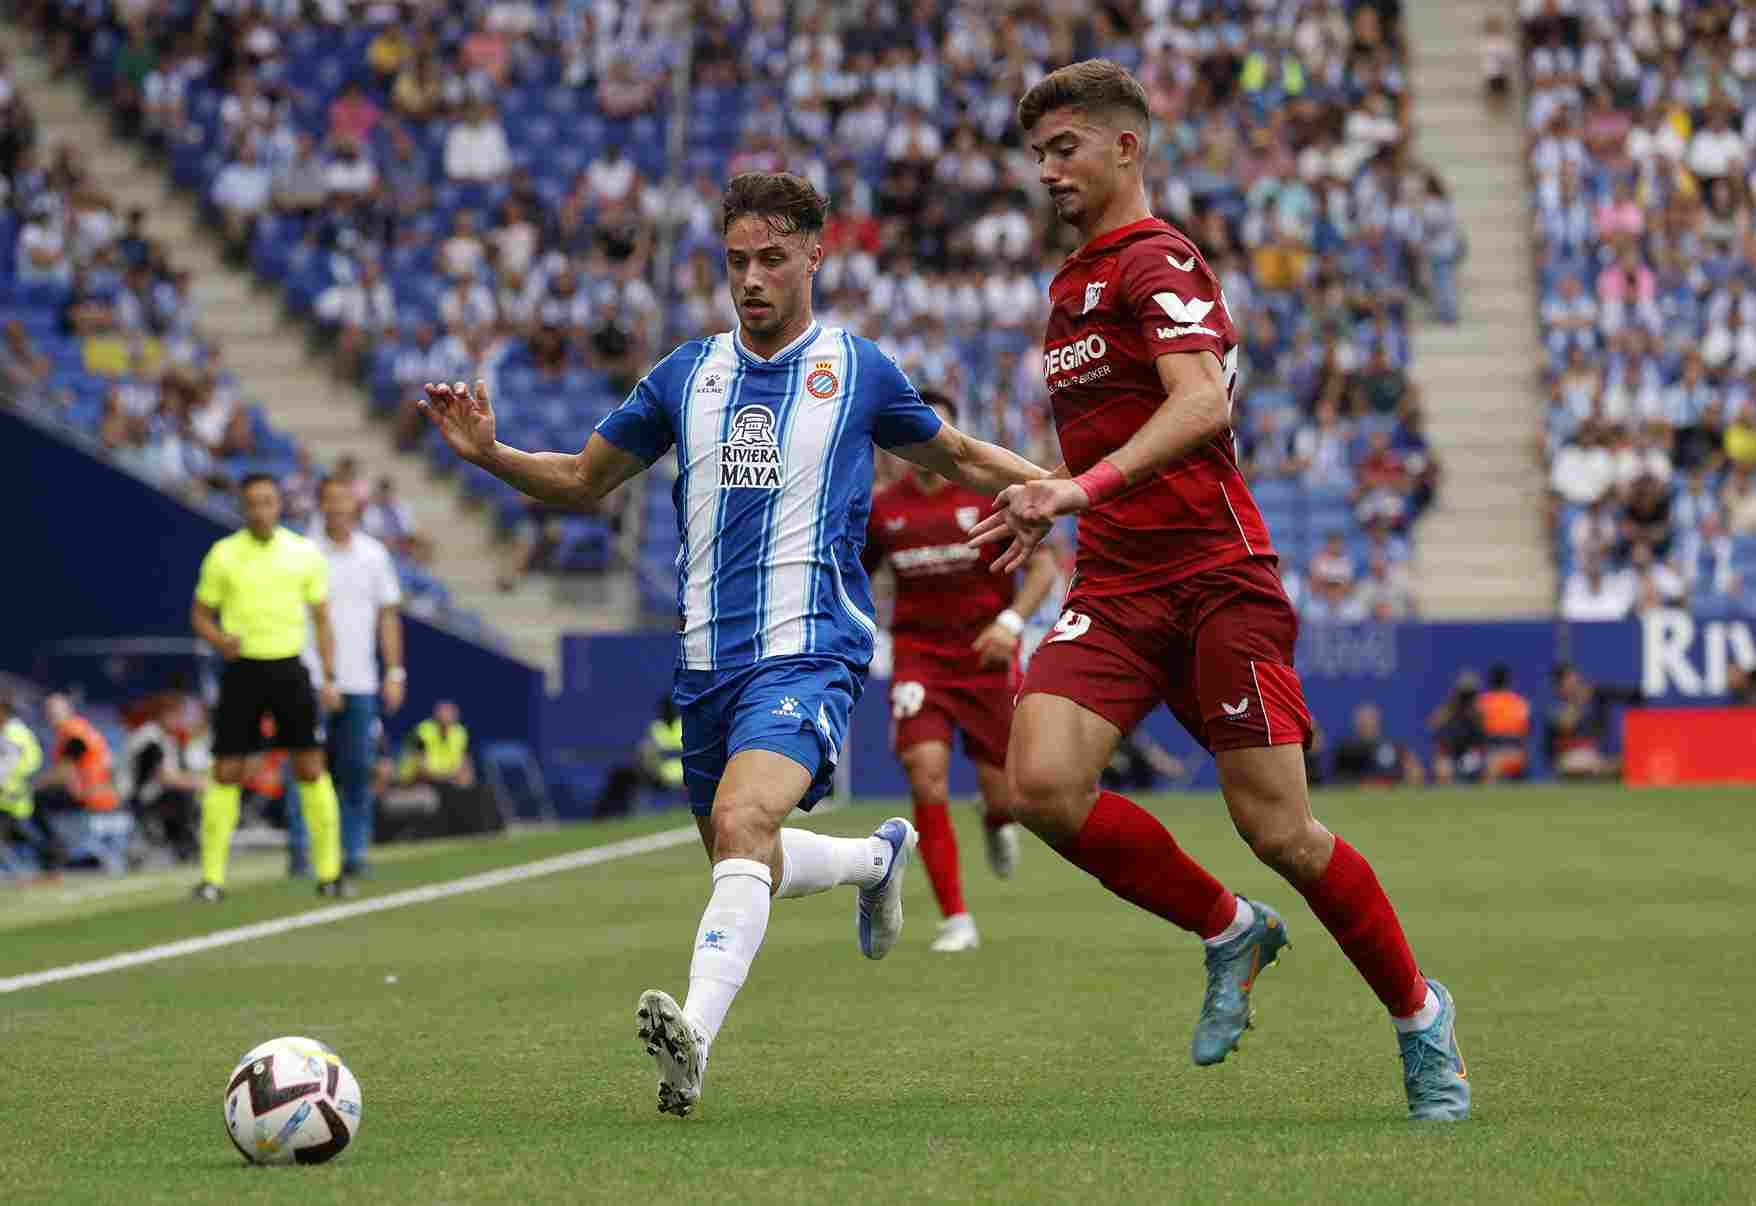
[1175, 300]
[902, 418]
[640, 425]
[210, 587]
[317, 581]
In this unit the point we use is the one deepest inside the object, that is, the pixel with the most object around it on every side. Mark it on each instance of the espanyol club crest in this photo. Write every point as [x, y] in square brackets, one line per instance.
[967, 516]
[822, 382]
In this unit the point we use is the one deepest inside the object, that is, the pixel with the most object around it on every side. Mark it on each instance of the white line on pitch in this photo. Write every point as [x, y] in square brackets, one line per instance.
[663, 840]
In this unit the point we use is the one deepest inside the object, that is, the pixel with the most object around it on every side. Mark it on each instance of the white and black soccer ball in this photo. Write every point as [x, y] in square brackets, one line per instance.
[291, 1100]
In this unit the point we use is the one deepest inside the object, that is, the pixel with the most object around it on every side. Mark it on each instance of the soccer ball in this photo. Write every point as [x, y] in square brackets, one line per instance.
[291, 1100]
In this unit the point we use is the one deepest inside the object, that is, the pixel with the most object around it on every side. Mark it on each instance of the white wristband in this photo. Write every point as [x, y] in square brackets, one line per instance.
[396, 674]
[1011, 621]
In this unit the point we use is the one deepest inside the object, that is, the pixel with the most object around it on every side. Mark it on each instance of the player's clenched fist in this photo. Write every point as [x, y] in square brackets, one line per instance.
[996, 645]
[463, 416]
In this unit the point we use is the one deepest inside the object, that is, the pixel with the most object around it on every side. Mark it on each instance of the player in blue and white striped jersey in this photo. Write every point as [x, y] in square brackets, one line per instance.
[773, 427]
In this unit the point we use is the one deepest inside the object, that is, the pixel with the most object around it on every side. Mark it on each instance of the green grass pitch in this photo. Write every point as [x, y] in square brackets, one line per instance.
[1599, 943]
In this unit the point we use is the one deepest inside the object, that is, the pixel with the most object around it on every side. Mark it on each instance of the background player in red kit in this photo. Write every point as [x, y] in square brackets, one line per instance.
[1176, 598]
[954, 629]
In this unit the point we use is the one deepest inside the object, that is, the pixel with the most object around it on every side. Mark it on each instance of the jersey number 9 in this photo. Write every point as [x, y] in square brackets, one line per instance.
[906, 699]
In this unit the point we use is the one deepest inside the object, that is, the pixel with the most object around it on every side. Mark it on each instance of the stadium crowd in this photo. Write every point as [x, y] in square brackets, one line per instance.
[99, 333]
[1640, 117]
[498, 188]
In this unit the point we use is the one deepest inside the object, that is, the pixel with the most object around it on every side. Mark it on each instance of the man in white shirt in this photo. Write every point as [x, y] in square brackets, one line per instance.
[357, 310]
[364, 602]
[1717, 150]
[1591, 594]
[348, 173]
[1584, 470]
[476, 148]
[242, 190]
[43, 254]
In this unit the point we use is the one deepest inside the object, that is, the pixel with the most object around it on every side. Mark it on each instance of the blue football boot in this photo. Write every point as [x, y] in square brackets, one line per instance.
[1231, 970]
[1433, 1071]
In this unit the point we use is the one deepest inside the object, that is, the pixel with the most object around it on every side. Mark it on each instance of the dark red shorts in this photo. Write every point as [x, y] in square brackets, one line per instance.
[1216, 649]
[922, 710]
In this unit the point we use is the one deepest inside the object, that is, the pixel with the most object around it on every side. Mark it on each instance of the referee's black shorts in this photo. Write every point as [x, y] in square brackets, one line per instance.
[251, 689]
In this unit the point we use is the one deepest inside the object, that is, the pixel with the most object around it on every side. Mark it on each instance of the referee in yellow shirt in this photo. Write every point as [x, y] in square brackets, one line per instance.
[255, 589]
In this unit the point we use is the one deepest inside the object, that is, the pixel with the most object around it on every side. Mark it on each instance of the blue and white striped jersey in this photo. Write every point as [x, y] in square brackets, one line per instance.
[774, 483]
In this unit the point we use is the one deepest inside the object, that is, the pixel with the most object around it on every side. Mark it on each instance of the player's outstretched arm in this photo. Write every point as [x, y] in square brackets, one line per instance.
[975, 463]
[465, 417]
[1195, 410]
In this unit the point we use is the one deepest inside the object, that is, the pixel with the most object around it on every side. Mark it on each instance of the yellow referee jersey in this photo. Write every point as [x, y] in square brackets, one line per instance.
[262, 590]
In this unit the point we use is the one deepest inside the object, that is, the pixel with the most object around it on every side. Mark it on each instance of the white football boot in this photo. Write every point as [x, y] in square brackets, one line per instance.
[679, 1048]
[957, 933]
[1003, 850]
[878, 909]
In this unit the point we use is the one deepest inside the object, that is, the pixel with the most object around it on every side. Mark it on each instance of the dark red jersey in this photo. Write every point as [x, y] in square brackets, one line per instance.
[945, 595]
[1120, 302]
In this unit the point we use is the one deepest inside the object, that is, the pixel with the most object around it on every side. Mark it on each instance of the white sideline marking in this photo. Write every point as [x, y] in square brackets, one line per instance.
[663, 840]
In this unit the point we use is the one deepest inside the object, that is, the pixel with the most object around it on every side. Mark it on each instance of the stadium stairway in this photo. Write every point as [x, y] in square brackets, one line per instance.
[268, 352]
[1482, 549]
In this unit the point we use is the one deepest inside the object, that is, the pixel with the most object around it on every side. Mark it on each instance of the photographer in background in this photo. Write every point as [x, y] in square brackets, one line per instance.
[1459, 740]
[1578, 732]
[658, 765]
[1370, 759]
[1505, 718]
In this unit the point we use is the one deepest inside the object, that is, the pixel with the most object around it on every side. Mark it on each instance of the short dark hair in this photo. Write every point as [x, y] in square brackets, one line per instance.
[933, 397]
[256, 479]
[1095, 84]
[328, 480]
[788, 203]
[1499, 676]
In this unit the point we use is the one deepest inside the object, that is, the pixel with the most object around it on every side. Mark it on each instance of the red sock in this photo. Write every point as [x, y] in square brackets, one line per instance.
[1351, 904]
[938, 850]
[1136, 858]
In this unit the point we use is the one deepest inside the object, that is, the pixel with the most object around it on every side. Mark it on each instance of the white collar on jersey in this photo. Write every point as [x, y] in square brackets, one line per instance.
[792, 349]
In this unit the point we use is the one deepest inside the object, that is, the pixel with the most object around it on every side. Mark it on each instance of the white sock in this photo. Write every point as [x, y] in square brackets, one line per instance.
[730, 935]
[1421, 1018]
[812, 863]
[1242, 919]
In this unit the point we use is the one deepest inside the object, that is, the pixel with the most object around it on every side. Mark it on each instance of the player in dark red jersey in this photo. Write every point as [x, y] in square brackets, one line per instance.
[1175, 598]
[954, 631]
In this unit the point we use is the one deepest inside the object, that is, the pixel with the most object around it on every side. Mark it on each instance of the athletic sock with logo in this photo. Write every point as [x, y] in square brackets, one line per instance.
[730, 934]
[938, 851]
[1352, 906]
[1135, 857]
[813, 863]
